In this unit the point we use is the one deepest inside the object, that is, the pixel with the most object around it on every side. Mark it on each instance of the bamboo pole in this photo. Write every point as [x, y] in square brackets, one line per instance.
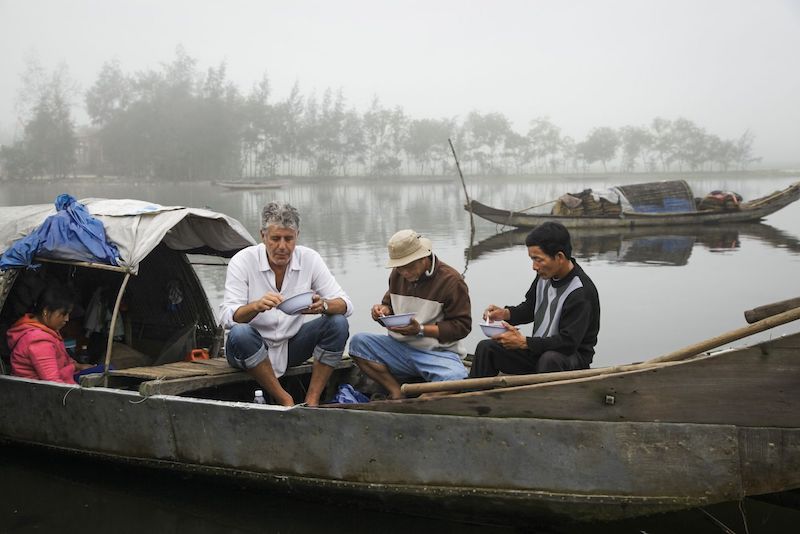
[728, 337]
[530, 379]
[464, 185]
[91, 265]
[538, 205]
[114, 315]
[767, 310]
[507, 381]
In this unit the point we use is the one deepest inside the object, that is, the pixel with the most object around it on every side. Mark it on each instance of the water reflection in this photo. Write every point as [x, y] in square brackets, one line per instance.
[647, 246]
[346, 219]
[71, 494]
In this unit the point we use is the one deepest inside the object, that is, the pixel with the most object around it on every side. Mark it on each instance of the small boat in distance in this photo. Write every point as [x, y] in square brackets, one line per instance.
[652, 204]
[237, 184]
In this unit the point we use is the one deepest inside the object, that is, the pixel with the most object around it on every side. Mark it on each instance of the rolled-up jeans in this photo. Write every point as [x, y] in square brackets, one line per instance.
[405, 361]
[323, 338]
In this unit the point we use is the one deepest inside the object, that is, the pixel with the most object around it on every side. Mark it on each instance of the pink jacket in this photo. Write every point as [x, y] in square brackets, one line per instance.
[39, 352]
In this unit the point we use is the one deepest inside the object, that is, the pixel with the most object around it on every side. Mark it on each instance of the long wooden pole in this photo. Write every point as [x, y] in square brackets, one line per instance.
[728, 337]
[524, 380]
[767, 310]
[507, 381]
[112, 326]
[464, 185]
[538, 205]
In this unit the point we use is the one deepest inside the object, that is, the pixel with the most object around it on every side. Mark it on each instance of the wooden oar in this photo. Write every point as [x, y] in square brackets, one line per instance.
[524, 380]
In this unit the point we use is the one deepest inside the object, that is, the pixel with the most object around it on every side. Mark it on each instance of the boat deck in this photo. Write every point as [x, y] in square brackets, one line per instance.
[180, 377]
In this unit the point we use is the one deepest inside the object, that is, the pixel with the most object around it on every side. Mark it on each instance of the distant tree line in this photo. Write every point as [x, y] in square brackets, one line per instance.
[180, 123]
[49, 143]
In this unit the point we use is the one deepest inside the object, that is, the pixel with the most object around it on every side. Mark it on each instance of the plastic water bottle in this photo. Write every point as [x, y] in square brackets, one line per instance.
[259, 397]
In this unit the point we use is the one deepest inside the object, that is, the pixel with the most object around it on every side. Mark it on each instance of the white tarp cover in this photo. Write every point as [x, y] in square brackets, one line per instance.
[136, 227]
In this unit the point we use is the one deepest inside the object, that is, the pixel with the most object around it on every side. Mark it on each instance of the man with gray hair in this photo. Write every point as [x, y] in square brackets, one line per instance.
[263, 340]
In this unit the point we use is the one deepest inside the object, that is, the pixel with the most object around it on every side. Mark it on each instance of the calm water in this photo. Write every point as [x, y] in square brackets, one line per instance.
[658, 293]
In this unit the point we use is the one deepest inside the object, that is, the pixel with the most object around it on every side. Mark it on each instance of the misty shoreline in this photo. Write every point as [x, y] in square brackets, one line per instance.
[568, 176]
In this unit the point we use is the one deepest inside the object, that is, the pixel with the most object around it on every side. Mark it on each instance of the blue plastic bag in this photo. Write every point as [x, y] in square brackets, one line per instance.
[71, 234]
[347, 394]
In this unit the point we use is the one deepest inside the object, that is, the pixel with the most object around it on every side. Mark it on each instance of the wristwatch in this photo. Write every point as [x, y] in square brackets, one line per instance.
[421, 332]
[324, 307]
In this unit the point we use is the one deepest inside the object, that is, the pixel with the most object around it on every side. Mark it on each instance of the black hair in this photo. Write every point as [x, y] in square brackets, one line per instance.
[552, 238]
[54, 298]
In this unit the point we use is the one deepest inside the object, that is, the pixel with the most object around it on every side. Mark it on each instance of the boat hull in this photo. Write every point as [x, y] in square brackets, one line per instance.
[463, 467]
[749, 211]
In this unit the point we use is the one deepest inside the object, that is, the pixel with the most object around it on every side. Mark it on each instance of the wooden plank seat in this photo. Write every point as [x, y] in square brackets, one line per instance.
[180, 377]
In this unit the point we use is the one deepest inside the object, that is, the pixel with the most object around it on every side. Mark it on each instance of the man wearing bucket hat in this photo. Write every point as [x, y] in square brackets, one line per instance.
[429, 346]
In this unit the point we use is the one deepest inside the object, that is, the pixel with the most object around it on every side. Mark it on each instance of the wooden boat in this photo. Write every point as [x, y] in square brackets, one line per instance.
[239, 185]
[635, 441]
[753, 210]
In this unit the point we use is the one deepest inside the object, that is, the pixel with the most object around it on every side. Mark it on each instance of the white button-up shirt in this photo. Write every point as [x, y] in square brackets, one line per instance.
[249, 277]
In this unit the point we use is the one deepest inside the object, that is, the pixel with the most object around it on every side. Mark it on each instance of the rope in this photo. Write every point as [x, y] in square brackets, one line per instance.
[145, 397]
[64, 400]
[744, 517]
[717, 522]
[539, 205]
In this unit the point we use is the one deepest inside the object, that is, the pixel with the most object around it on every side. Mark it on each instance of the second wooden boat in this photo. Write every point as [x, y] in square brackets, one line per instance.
[753, 210]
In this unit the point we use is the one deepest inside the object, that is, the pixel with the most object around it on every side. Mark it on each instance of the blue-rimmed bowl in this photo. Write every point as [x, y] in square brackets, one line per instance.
[401, 319]
[296, 303]
[492, 329]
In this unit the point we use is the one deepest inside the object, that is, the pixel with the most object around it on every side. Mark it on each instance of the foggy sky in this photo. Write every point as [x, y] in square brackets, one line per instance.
[727, 65]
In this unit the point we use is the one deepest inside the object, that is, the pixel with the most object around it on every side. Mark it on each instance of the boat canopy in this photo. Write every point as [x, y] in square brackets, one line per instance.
[673, 196]
[136, 227]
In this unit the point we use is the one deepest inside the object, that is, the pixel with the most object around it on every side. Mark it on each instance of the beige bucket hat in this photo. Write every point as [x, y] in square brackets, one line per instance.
[406, 246]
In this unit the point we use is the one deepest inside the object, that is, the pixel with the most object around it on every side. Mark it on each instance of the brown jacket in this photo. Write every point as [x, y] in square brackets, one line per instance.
[441, 298]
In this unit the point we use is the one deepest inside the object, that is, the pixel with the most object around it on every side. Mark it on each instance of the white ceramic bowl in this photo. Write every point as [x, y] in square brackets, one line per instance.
[401, 319]
[297, 303]
[492, 329]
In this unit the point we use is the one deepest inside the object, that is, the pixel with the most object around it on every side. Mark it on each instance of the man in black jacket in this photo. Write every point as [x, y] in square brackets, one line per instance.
[562, 304]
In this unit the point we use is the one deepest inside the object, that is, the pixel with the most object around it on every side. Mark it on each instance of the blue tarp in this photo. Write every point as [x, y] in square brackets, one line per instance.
[668, 205]
[71, 234]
